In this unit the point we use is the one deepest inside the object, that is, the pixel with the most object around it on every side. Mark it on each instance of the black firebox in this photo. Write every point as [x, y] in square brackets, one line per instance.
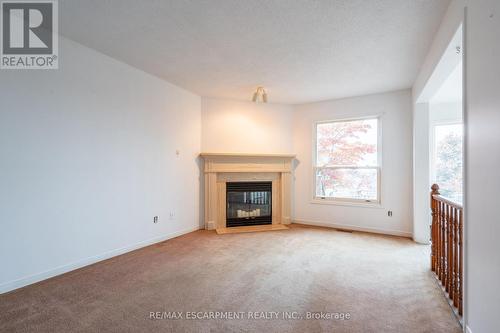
[248, 203]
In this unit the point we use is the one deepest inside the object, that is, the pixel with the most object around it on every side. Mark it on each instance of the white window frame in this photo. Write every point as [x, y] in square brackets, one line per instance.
[348, 201]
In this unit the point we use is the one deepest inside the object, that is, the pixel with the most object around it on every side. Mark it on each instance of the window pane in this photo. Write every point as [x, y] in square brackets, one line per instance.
[347, 183]
[347, 143]
[448, 160]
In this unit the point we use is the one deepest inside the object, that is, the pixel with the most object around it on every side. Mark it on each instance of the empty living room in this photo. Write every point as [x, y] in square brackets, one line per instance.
[250, 166]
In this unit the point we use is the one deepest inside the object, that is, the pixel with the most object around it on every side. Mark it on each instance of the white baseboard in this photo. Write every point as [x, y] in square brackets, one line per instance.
[421, 241]
[15, 284]
[355, 228]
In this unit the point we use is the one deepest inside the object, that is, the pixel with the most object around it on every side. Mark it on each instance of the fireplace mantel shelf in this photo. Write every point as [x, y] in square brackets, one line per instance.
[246, 155]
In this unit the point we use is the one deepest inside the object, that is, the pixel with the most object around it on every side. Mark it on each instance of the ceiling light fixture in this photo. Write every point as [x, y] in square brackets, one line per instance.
[259, 95]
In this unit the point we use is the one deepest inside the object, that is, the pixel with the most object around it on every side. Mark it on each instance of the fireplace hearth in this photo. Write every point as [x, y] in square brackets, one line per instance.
[248, 203]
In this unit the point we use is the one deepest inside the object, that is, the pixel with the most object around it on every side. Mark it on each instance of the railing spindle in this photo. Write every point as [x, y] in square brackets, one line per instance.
[451, 261]
[439, 241]
[443, 244]
[449, 270]
[461, 258]
[455, 258]
[434, 210]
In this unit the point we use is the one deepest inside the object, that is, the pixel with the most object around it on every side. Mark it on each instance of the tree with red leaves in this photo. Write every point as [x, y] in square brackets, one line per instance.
[339, 144]
[344, 144]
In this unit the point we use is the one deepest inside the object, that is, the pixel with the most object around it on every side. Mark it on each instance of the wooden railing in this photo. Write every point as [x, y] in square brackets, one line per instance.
[447, 250]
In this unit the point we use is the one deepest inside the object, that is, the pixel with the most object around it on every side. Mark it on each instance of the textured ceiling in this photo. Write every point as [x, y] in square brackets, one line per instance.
[301, 51]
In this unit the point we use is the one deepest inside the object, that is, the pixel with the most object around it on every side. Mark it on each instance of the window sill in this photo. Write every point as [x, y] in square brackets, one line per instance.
[375, 205]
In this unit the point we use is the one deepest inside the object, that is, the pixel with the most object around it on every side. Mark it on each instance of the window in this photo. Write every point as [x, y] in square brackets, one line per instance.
[347, 161]
[447, 160]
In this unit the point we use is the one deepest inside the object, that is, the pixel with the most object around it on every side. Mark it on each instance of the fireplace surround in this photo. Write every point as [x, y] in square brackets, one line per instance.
[224, 172]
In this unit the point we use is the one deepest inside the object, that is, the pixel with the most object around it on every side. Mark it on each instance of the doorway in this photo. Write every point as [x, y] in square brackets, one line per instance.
[439, 161]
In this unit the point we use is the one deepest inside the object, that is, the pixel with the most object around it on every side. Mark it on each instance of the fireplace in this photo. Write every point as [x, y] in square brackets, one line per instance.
[221, 170]
[248, 203]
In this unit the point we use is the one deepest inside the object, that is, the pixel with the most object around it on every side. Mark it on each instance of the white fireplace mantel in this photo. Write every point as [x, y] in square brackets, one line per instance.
[220, 168]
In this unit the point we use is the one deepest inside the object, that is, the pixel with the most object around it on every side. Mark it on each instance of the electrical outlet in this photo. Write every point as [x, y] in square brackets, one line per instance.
[171, 216]
[155, 219]
[389, 213]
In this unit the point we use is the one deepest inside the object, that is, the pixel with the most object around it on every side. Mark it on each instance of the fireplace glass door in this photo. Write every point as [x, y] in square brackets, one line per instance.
[248, 203]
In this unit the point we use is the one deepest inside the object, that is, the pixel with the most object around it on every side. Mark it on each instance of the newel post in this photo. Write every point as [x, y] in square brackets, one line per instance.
[434, 225]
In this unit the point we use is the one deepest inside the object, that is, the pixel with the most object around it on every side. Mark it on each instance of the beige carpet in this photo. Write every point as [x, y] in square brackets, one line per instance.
[382, 283]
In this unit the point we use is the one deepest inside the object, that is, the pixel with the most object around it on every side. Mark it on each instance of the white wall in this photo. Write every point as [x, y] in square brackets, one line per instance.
[246, 127]
[482, 164]
[421, 173]
[445, 112]
[482, 123]
[87, 159]
[395, 108]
